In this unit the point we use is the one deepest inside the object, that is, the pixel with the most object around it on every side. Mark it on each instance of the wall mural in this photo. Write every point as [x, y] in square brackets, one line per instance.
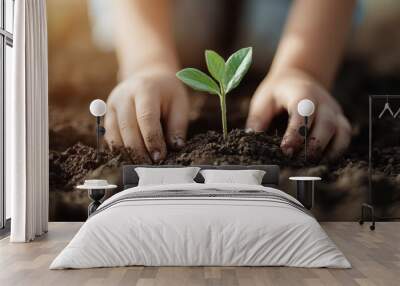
[83, 66]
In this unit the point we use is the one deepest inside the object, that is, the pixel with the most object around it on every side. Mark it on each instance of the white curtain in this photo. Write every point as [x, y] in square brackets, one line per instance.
[27, 124]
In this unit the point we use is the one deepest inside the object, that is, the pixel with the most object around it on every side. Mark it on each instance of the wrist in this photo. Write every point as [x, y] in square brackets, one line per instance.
[311, 72]
[154, 68]
[292, 72]
[131, 65]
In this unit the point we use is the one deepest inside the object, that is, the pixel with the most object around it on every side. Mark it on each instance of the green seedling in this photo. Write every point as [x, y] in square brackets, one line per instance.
[227, 76]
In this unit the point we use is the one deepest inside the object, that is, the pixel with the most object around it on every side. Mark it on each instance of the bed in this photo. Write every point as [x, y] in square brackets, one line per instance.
[198, 224]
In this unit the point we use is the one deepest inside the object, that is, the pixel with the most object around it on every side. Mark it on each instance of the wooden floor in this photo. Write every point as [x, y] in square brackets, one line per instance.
[375, 257]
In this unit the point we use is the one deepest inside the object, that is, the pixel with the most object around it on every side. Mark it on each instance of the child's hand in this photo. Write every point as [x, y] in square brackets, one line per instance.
[330, 130]
[145, 111]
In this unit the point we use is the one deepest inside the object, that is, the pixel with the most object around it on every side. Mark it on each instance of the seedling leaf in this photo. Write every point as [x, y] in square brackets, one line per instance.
[215, 65]
[227, 74]
[236, 67]
[198, 80]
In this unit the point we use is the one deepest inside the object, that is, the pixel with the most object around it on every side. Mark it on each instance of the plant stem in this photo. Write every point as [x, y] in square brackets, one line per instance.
[223, 114]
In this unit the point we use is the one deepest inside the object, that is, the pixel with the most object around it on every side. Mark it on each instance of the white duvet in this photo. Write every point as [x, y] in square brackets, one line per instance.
[188, 231]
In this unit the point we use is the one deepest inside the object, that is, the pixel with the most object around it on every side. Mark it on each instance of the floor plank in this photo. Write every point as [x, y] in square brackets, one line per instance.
[375, 257]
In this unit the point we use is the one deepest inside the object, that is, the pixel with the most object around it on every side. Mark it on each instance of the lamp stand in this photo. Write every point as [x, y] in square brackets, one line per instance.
[100, 131]
[305, 137]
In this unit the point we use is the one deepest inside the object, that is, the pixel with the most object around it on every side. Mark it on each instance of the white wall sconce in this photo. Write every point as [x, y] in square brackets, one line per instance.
[305, 108]
[98, 108]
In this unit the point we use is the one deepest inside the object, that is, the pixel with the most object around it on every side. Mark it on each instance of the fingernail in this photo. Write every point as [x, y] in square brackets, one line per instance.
[288, 152]
[155, 156]
[249, 130]
[177, 142]
[256, 127]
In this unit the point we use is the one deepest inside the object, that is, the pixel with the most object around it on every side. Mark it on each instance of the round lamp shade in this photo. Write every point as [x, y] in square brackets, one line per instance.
[305, 107]
[98, 107]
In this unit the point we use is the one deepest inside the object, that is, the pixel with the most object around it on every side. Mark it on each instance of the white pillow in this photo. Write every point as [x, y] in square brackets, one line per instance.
[162, 176]
[248, 177]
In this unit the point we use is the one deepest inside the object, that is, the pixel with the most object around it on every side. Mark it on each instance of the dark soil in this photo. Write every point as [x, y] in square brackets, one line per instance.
[240, 148]
[344, 186]
[72, 166]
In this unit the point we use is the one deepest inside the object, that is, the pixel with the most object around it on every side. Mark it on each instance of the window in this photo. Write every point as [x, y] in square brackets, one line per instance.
[6, 43]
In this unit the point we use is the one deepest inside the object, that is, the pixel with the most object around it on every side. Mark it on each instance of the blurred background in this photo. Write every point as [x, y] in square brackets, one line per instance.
[83, 66]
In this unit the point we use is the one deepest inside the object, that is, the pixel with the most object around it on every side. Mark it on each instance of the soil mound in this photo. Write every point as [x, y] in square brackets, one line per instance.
[240, 148]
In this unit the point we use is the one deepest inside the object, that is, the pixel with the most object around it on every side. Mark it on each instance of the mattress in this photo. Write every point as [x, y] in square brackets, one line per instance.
[201, 225]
